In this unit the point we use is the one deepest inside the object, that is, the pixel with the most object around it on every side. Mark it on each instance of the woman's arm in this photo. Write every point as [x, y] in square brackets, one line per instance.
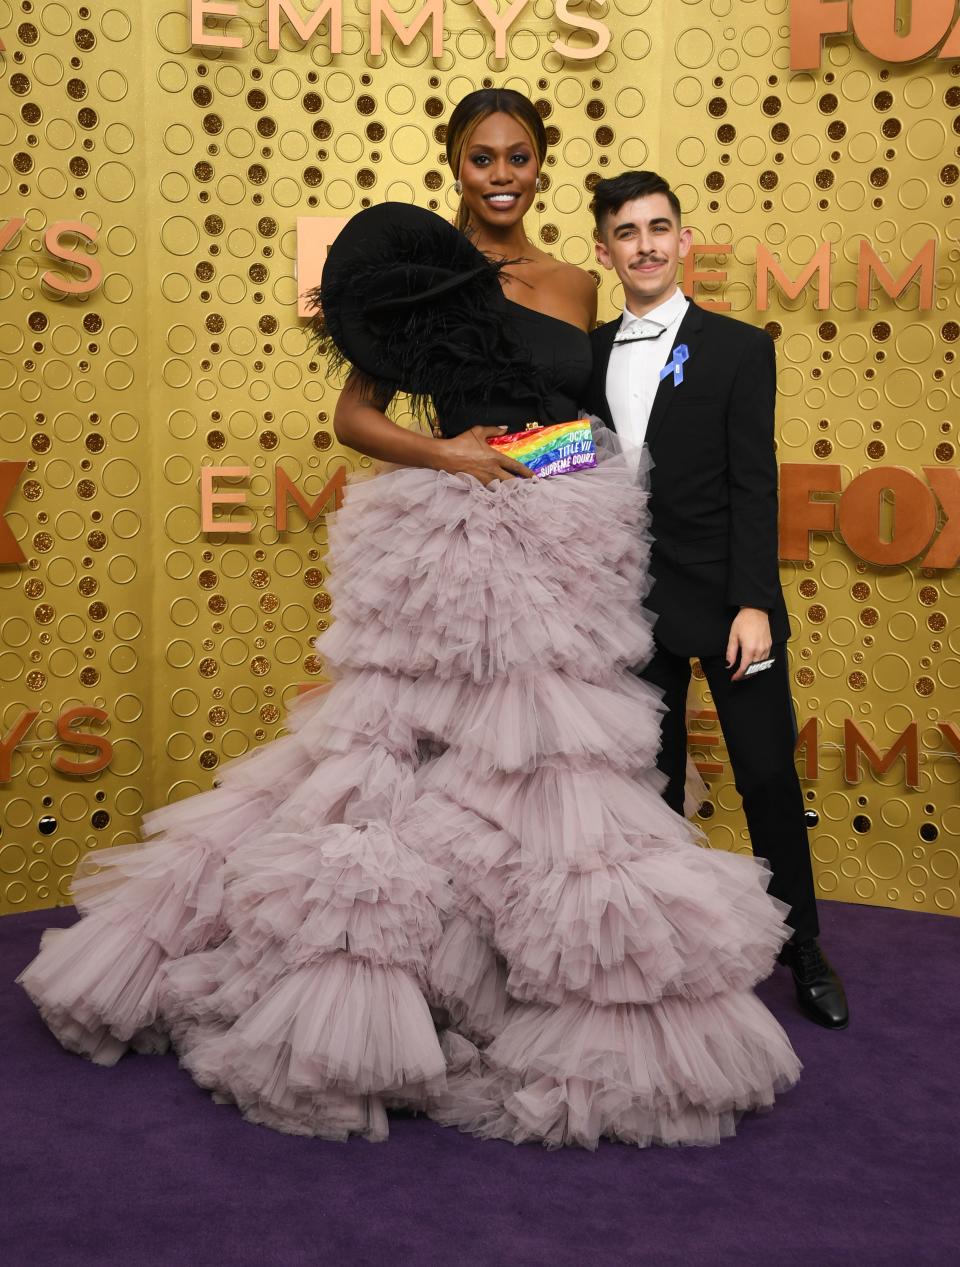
[360, 422]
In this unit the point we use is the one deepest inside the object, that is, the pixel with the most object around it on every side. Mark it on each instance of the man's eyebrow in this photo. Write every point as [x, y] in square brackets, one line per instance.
[630, 225]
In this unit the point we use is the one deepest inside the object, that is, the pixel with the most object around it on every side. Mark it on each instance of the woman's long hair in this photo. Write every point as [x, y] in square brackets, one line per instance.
[472, 109]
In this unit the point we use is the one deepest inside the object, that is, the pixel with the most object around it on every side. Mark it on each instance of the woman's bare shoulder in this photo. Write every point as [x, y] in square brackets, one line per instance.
[579, 284]
[585, 282]
[564, 290]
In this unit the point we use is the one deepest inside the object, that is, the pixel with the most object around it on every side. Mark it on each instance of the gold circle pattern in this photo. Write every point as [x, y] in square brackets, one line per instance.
[190, 354]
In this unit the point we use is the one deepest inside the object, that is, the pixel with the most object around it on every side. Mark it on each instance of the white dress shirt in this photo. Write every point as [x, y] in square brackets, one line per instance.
[633, 371]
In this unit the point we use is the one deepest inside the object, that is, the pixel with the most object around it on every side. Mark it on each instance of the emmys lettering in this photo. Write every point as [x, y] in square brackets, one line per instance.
[315, 235]
[211, 498]
[284, 491]
[857, 747]
[819, 269]
[68, 734]
[53, 246]
[880, 27]
[329, 13]
[885, 516]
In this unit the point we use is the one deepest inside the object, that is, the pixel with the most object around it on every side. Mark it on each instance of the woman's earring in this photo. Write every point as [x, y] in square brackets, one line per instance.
[457, 187]
[538, 186]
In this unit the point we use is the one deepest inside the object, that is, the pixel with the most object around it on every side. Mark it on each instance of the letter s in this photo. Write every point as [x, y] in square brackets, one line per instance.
[53, 246]
[82, 739]
[580, 22]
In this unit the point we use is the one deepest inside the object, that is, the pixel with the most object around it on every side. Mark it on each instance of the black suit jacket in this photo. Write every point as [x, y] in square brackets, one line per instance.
[714, 481]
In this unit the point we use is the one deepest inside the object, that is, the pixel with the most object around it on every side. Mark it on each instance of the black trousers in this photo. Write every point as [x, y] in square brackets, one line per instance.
[759, 727]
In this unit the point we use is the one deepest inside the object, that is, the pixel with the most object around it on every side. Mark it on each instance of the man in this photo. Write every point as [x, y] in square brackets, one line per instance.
[698, 389]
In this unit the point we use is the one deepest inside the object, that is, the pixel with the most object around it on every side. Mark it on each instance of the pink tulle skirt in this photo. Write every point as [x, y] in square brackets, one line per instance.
[453, 886]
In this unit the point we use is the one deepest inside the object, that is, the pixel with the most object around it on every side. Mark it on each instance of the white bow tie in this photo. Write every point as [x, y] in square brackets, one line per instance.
[634, 335]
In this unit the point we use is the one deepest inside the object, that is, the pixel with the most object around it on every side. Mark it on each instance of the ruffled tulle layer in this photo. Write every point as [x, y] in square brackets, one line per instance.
[673, 1072]
[453, 886]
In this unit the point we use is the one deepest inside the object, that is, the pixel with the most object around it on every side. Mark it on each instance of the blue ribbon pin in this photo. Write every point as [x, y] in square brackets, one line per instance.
[674, 366]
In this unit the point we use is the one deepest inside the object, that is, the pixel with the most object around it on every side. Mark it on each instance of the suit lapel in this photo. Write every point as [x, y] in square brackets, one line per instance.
[602, 347]
[689, 333]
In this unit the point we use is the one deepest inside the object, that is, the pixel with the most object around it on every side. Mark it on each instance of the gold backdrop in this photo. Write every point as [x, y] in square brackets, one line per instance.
[193, 164]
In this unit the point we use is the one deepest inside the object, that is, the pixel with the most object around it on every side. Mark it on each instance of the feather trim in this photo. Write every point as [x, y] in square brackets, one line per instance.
[423, 314]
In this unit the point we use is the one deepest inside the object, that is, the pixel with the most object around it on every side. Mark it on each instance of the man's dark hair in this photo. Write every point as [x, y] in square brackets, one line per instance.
[610, 195]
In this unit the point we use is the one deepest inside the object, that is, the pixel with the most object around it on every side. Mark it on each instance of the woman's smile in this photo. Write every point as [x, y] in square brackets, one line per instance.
[501, 199]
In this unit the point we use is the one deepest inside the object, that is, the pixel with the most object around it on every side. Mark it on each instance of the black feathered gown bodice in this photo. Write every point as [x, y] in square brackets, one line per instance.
[561, 359]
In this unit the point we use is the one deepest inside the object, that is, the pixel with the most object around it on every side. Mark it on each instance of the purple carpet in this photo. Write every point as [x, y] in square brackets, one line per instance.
[858, 1165]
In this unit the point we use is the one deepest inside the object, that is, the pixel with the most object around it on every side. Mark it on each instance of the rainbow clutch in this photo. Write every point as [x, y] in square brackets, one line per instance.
[557, 449]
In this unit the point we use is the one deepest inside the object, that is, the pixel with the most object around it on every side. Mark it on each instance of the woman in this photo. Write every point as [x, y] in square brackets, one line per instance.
[465, 832]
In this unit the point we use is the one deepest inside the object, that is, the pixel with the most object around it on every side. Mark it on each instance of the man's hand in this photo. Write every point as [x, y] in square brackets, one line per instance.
[750, 636]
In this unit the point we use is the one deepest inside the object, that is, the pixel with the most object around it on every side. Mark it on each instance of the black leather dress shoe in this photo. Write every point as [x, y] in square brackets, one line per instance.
[819, 990]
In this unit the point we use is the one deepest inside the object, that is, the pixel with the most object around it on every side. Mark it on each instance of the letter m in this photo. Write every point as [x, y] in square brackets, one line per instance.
[855, 742]
[285, 488]
[818, 267]
[432, 11]
[305, 27]
[870, 266]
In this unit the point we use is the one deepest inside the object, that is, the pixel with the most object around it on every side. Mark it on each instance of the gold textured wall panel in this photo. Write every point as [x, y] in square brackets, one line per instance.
[193, 165]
